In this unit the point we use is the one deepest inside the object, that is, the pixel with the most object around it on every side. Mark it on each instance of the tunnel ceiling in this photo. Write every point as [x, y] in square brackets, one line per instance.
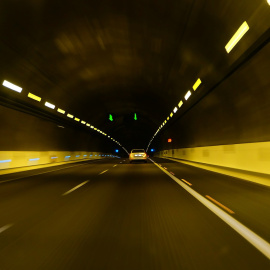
[92, 58]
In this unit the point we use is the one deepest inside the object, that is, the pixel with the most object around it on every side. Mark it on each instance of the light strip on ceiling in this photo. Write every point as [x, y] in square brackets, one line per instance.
[12, 86]
[32, 96]
[49, 105]
[237, 36]
[188, 94]
[197, 84]
[180, 103]
[70, 115]
[76, 119]
[175, 110]
[61, 111]
[83, 122]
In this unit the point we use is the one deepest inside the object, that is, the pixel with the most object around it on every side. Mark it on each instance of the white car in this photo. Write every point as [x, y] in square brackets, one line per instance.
[137, 154]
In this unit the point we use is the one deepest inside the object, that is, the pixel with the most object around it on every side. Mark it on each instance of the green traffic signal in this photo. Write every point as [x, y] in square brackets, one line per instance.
[135, 116]
[110, 117]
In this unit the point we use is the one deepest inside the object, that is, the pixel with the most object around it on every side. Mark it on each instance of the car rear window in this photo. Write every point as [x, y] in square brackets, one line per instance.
[137, 151]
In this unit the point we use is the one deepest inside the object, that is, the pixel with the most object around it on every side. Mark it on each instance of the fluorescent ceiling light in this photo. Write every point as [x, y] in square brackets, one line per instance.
[165, 121]
[61, 111]
[88, 125]
[49, 105]
[196, 85]
[76, 119]
[175, 110]
[188, 94]
[237, 36]
[168, 118]
[70, 115]
[180, 103]
[95, 128]
[171, 115]
[92, 127]
[83, 122]
[30, 95]
[12, 86]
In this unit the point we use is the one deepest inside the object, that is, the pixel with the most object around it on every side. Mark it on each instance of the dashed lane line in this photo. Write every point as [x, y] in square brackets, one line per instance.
[186, 182]
[103, 172]
[83, 183]
[259, 243]
[2, 229]
[220, 204]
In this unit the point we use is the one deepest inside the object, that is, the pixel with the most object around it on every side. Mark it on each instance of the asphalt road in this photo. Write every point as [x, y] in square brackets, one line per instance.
[110, 214]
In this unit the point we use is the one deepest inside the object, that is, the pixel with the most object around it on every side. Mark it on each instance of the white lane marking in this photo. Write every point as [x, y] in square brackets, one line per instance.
[2, 229]
[91, 161]
[254, 239]
[115, 165]
[66, 193]
[103, 172]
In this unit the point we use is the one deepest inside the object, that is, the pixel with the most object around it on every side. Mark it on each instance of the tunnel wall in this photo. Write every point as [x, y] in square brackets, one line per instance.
[29, 141]
[24, 132]
[231, 125]
[254, 157]
[22, 159]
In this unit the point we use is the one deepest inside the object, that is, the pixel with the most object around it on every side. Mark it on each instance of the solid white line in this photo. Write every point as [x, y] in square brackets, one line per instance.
[254, 239]
[2, 229]
[103, 172]
[48, 171]
[66, 193]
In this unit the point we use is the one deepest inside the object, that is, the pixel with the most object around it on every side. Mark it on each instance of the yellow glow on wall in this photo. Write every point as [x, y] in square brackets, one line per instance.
[49, 105]
[196, 85]
[76, 119]
[61, 111]
[32, 96]
[180, 103]
[237, 36]
[70, 115]
[188, 94]
[12, 86]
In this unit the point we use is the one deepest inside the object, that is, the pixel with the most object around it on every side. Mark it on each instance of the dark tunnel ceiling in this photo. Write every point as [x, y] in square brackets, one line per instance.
[92, 58]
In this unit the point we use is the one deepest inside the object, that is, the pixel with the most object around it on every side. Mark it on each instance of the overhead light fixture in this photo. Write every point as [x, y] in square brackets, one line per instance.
[171, 114]
[61, 111]
[12, 86]
[165, 121]
[196, 84]
[175, 110]
[49, 105]
[88, 125]
[70, 115]
[180, 103]
[188, 94]
[237, 36]
[168, 118]
[32, 96]
[76, 119]
[83, 122]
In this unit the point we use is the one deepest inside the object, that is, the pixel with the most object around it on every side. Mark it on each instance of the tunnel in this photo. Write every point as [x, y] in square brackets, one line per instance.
[84, 84]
